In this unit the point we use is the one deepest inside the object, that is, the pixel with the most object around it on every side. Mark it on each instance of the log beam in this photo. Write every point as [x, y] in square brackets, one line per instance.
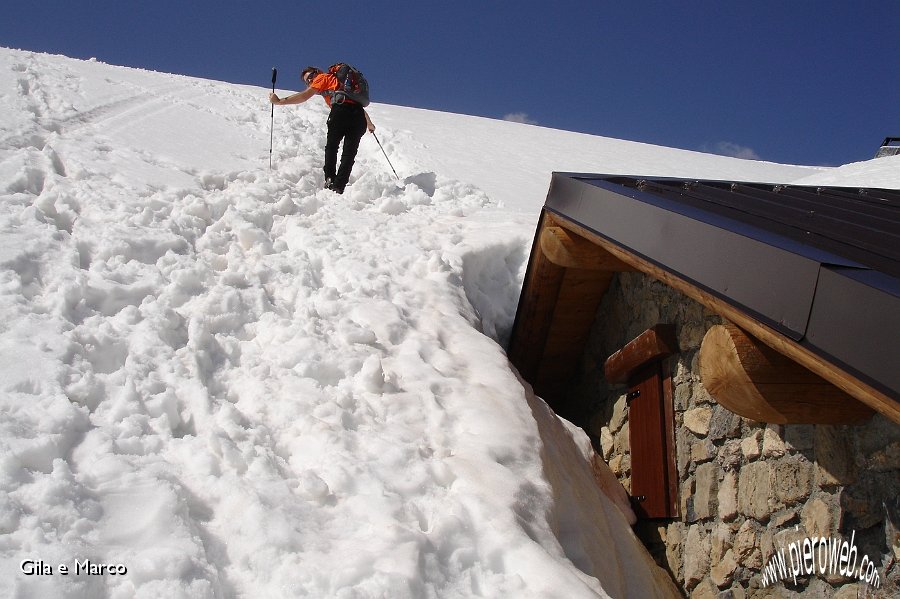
[653, 344]
[753, 380]
[573, 251]
[553, 320]
[534, 316]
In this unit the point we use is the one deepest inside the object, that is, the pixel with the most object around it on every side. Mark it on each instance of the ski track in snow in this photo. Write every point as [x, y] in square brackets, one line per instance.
[239, 384]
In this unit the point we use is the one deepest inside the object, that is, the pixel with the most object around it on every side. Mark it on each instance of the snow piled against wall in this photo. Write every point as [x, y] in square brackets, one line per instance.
[235, 383]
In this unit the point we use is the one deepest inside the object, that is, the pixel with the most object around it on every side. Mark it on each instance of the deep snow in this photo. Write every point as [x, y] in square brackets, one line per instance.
[237, 384]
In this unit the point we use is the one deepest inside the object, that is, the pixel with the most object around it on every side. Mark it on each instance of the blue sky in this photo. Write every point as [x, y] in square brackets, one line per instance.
[803, 82]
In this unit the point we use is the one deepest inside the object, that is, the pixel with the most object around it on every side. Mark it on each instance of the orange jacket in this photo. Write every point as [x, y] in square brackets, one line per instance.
[324, 82]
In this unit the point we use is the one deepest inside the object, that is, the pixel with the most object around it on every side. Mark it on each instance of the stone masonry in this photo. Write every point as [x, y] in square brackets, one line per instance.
[747, 489]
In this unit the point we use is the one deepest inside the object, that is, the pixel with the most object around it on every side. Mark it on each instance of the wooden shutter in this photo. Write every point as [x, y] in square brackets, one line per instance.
[653, 480]
[641, 363]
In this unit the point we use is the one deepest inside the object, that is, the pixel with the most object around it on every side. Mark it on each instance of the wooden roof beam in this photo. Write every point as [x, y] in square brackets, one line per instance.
[653, 344]
[755, 381]
[568, 250]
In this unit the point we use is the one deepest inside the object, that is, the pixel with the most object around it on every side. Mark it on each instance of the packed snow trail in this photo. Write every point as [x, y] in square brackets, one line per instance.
[236, 384]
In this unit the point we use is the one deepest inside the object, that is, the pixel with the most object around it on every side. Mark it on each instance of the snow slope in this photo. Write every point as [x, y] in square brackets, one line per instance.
[236, 384]
[512, 162]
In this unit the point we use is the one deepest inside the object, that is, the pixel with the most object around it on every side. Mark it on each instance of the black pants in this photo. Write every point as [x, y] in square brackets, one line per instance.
[346, 122]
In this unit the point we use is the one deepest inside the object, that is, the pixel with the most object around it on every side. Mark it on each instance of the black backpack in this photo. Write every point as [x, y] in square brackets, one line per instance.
[353, 85]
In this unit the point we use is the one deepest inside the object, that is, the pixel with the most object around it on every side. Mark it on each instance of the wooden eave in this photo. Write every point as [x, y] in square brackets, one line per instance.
[571, 266]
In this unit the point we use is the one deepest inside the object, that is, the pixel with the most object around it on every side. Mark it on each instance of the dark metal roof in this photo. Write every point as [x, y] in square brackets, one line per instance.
[819, 264]
[889, 147]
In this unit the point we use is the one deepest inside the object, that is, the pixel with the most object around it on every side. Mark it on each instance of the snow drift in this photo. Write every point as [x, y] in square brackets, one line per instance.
[233, 383]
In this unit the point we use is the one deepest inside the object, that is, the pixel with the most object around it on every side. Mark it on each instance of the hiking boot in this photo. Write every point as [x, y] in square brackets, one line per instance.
[334, 186]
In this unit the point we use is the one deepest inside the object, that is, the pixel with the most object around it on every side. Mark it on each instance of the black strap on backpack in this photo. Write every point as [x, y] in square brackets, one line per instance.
[352, 85]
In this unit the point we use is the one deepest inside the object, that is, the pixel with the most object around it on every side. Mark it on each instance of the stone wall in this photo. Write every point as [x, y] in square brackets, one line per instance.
[747, 489]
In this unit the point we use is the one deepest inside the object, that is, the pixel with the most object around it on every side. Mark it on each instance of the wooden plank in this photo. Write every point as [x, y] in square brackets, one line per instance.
[674, 508]
[858, 389]
[535, 312]
[653, 344]
[573, 251]
[754, 381]
[579, 297]
[647, 434]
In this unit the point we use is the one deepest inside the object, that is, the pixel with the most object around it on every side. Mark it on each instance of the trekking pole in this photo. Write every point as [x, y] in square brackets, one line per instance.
[385, 155]
[272, 124]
